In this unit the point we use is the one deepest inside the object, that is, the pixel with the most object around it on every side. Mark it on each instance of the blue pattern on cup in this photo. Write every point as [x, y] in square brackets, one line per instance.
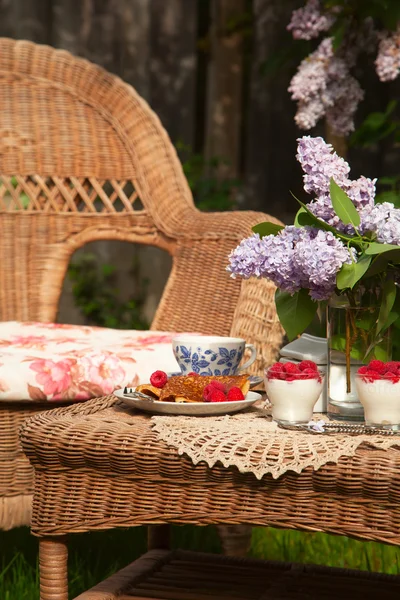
[200, 362]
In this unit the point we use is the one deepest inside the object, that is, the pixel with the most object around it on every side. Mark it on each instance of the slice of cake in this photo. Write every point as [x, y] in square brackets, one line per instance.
[186, 388]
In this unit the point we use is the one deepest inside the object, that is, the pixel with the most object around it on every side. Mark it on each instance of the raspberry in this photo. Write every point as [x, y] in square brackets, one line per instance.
[207, 392]
[276, 375]
[310, 374]
[276, 367]
[308, 364]
[372, 376]
[362, 370]
[391, 377]
[290, 368]
[158, 379]
[305, 375]
[217, 396]
[392, 366]
[217, 385]
[235, 393]
[377, 365]
[291, 378]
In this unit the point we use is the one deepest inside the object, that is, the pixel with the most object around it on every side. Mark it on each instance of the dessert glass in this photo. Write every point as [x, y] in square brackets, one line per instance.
[293, 401]
[381, 402]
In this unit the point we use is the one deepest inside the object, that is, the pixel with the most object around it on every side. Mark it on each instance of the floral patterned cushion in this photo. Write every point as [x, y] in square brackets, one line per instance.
[49, 361]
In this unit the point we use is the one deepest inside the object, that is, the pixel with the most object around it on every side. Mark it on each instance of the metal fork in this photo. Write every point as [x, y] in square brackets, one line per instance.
[131, 393]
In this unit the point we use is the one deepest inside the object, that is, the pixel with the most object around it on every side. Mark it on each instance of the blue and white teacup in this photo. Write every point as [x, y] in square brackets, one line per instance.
[211, 355]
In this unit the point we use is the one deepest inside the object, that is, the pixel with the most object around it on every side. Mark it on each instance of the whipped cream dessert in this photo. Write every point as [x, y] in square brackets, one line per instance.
[293, 391]
[378, 388]
[381, 401]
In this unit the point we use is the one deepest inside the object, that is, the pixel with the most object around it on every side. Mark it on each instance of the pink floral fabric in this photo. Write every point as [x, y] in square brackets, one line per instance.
[50, 361]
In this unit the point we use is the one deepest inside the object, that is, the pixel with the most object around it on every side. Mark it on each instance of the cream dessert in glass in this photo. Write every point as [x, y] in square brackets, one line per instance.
[293, 390]
[378, 388]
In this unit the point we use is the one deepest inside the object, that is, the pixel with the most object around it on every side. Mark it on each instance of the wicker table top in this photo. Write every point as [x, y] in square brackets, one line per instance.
[100, 466]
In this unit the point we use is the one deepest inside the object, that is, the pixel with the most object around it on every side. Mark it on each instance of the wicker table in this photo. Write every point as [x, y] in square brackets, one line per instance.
[100, 466]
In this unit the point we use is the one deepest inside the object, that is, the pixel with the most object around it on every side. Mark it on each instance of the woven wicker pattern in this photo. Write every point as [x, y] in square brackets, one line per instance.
[83, 158]
[160, 574]
[100, 466]
[73, 194]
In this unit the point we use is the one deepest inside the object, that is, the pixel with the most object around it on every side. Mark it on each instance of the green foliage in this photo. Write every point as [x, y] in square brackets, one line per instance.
[389, 190]
[267, 228]
[295, 312]
[94, 556]
[376, 127]
[95, 294]
[211, 191]
[343, 206]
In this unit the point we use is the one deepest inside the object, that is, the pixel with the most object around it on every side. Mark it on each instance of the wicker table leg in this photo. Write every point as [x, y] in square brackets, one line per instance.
[53, 565]
[159, 537]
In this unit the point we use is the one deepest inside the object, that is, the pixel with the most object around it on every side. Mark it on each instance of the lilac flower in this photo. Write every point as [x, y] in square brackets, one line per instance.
[323, 85]
[345, 98]
[319, 164]
[387, 62]
[308, 22]
[383, 220]
[296, 258]
[317, 426]
[319, 258]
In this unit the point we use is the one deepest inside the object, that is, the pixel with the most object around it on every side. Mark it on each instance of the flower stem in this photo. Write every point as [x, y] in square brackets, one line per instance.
[348, 350]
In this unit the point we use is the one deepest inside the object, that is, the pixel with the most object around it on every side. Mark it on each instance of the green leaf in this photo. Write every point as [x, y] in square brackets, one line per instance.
[267, 228]
[305, 217]
[295, 312]
[376, 248]
[350, 274]
[388, 298]
[343, 206]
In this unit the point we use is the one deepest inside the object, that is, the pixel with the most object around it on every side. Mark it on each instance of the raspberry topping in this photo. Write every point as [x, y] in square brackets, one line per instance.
[289, 371]
[208, 390]
[217, 385]
[290, 368]
[217, 396]
[158, 379]
[308, 364]
[277, 367]
[378, 370]
[235, 393]
[377, 365]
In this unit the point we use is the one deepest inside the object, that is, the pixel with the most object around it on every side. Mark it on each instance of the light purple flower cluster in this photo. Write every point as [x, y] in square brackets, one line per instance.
[296, 258]
[320, 164]
[388, 60]
[322, 86]
[383, 220]
[308, 22]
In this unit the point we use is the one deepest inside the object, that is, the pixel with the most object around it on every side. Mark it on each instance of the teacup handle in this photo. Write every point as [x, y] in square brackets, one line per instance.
[252, 358]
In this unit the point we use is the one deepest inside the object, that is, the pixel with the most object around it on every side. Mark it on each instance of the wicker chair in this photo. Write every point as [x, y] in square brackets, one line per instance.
[95, 163]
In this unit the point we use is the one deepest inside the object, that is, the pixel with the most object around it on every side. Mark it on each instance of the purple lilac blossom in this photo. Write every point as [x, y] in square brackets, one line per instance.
[322, 86]
[308, 22]
[383, 220]
[387, 62]
[320, 163]
[295, 258]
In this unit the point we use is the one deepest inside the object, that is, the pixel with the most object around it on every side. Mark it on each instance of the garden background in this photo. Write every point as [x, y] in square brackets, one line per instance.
[217, 73]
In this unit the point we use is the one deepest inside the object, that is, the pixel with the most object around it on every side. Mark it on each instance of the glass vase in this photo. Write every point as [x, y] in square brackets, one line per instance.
[353, 340]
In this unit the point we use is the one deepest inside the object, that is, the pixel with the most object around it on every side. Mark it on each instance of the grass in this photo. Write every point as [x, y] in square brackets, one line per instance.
[94, 556]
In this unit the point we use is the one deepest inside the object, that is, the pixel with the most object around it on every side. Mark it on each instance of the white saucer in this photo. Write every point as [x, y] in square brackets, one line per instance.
[189, 408]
